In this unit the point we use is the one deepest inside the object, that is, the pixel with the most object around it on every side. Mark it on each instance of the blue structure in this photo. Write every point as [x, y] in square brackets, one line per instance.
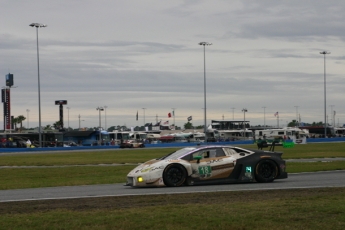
[87, 138]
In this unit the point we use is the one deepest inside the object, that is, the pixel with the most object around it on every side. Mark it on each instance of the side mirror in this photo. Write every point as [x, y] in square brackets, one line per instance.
[198, 158]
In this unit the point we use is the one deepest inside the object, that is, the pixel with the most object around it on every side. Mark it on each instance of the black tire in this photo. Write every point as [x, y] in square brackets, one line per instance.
[142, 146]
[174, 175]
[131, 146]
[266, 171]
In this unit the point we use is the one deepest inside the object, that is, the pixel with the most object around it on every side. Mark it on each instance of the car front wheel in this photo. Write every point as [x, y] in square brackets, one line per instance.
[266, 171]
[174, 175]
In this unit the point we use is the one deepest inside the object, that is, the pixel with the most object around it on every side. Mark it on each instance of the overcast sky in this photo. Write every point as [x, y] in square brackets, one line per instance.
[129, 55]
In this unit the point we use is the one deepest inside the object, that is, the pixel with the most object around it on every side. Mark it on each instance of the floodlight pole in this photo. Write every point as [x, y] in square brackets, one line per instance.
[80, 121]
[27, 122]
[264, 116]
[105, 117]
[244, 121]
[324, 81]
[68, 117]
[233, 114]
[38, 25]
[205, 44]
[100, 129]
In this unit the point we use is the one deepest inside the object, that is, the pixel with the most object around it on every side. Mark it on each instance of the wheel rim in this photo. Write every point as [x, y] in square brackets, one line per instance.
[175, 175]
[266, 170]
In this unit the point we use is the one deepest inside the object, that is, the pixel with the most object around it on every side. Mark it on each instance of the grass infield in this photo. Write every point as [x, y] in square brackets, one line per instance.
[318, 208]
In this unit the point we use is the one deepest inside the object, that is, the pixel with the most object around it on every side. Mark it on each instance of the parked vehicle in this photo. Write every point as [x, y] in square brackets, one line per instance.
[298, 136]
[132, 144]
[153, 138]
[319, 131]
[138, 136]
[119, 136]
[235, 134]
[339, 132]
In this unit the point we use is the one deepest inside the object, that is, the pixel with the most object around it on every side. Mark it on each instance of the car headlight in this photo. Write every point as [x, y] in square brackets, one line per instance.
[140, 179]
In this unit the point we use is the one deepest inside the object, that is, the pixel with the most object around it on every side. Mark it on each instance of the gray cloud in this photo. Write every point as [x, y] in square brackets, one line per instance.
[110, 53]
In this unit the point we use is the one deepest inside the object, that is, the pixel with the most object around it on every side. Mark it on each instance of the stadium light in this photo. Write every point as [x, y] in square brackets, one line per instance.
[324, 84]
[205, 44]
[100, 129]
[38, 25]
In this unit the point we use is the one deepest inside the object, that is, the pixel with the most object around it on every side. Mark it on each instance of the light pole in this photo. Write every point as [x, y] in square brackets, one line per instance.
[105, 117]
[233, 114]
[80, 121]
[38, 25]
[205, 44]
[264, 116]
[324, 83]
[68, 118]
[244, 121]
[296, 114]
[99, 117]
[27, 114]
[144, 116]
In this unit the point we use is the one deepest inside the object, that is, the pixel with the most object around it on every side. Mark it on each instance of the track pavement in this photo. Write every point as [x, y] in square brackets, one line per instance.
[296, 180]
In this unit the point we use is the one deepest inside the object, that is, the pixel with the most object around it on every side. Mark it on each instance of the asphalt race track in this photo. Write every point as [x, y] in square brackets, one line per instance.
[297, 180]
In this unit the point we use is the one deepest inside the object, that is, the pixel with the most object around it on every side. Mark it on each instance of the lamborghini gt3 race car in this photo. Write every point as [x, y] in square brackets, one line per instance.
[209, 165]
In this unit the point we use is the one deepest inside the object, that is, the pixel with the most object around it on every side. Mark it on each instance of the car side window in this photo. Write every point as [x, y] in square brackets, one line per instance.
[212, 153]
[202, 153]
[220, 152]
[206, 153]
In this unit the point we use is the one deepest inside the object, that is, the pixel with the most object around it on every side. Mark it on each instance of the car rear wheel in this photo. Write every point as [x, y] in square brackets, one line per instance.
[266, 171]
[174, 175]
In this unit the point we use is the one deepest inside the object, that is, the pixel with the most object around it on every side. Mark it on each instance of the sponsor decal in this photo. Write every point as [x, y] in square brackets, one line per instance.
[150, 169]
[145, 170]
[155, 168]
[214, 161]
[299, 141]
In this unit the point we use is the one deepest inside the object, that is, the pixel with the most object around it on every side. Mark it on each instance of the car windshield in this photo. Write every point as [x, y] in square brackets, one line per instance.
[177, 154]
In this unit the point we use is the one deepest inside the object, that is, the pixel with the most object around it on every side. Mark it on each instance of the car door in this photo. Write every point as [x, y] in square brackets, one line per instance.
[214, 164]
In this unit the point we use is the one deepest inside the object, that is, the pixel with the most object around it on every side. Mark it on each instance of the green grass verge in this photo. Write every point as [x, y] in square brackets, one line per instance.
[274, 209]
[141, 155]
[83, 158]
[64, 176]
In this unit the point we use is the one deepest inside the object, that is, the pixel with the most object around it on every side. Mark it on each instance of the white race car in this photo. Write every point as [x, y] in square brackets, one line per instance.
[209, 165]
